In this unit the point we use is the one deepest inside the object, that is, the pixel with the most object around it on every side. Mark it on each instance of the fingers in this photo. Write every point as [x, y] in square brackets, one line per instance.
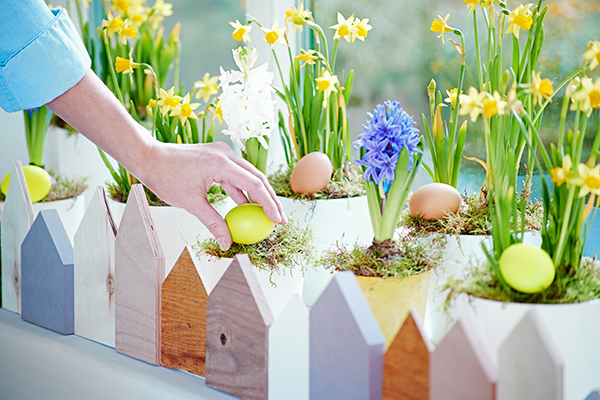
[236, 194]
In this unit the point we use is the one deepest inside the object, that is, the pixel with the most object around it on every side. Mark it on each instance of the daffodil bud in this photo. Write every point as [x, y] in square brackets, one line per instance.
[245, 57]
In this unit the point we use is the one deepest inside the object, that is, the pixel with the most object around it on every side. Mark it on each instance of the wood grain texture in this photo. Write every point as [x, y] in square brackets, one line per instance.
[94, 274]
[288, 352]
[139, 272]
[17, 218]
[529, 364]
[406, 363]
[346, 344]
[47, 274]
[237, 328]
[462, 366]
[183, 317]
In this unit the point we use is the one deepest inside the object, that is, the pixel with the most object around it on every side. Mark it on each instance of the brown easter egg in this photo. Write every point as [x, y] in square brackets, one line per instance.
[311, 174]
[434, 200]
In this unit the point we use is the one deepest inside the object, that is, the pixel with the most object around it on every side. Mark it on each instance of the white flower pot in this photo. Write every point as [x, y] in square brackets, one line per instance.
[70, 211]
[462, 251]
[175, 227]
[345, 221]
[573, 329]
[277, 288]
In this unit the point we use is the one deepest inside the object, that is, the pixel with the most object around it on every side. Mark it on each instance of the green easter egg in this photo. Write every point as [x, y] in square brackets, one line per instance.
[248, 224]
[38, 182]
[527, 269]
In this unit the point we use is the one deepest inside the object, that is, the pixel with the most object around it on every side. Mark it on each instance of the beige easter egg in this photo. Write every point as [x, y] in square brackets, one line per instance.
[311, 174]
[434, 201]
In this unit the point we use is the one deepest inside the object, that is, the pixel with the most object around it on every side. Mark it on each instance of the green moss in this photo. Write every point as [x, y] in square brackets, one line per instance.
[65, 188]
[289, 247]
[472, 218]
[568, 286]
[352, 185]
[415, 254]
[215, 194]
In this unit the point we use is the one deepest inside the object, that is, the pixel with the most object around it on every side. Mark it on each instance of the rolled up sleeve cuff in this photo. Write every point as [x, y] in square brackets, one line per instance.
[45, 68]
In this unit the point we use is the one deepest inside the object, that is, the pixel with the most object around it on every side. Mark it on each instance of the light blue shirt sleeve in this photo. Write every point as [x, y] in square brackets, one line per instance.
[41, 54]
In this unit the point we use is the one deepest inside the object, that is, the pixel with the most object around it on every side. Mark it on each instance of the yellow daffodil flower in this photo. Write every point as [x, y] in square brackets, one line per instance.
[520, 18]
[162, 8]
[471, 5]
[150, 107]
[185, 110]
[206, 87]
[240, 31]
[113, 25]
[308, 56]
[440, 25]
[137, 19]
[362, 28]
[121, 6]
[541, 88]
[217, 112]
[588, 179]
[326, 84]
[471, 104]
[588, 96]
[451, 97]
[592, 53]
[493, 104]
[125, 65]
[512, 102]
[167, 100]
[127, 31]
[560, 175]
[274, 35]
[344, 28]
[297, 17]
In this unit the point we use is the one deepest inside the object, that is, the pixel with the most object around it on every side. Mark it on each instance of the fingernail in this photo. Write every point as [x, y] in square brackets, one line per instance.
[223, 244]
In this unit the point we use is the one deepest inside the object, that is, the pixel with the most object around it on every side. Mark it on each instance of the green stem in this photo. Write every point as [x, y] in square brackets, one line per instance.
[477, 52]
[112, 69]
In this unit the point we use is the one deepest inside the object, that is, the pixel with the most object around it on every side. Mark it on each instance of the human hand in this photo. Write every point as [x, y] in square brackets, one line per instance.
[182, 174]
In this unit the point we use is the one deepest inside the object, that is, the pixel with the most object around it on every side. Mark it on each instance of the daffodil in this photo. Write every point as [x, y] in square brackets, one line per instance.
[240, 31]
[137, 19]
[274, 35]
[217, 112]
[326, 84]
[560, 175]
[471, 5]
[541, 88]
[122, 6]
[308, 56]
[125, 65]
[362, 28]
[344, 28]
[471, 104]
[588, 96]
[592, 53]
[520, 18]
[112, 25]
[493, 104]
[441, 26]
[162, 8]
[297, 17]
[185, 110]
[127, 31]
[588, 179]
[167, 100]
[206, 87]
[150, 107]
[451, 97]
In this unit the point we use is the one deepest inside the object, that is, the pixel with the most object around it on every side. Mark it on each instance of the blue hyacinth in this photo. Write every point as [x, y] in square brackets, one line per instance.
[385, 135]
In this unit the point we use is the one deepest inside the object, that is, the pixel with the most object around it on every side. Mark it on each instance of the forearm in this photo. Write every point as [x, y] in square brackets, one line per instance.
[92, 109]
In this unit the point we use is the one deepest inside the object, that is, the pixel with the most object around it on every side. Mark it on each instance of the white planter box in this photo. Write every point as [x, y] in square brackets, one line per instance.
[175, 227]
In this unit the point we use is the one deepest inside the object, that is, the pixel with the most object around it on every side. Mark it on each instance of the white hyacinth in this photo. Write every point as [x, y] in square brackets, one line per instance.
[246, 103]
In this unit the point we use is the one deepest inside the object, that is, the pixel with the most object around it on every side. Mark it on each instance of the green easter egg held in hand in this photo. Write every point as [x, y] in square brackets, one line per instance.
[248, 224]
[527, 269]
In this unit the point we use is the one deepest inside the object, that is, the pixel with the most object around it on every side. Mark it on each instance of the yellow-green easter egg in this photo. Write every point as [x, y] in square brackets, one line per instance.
[248, 224]
[527, 269]
[38, 182]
